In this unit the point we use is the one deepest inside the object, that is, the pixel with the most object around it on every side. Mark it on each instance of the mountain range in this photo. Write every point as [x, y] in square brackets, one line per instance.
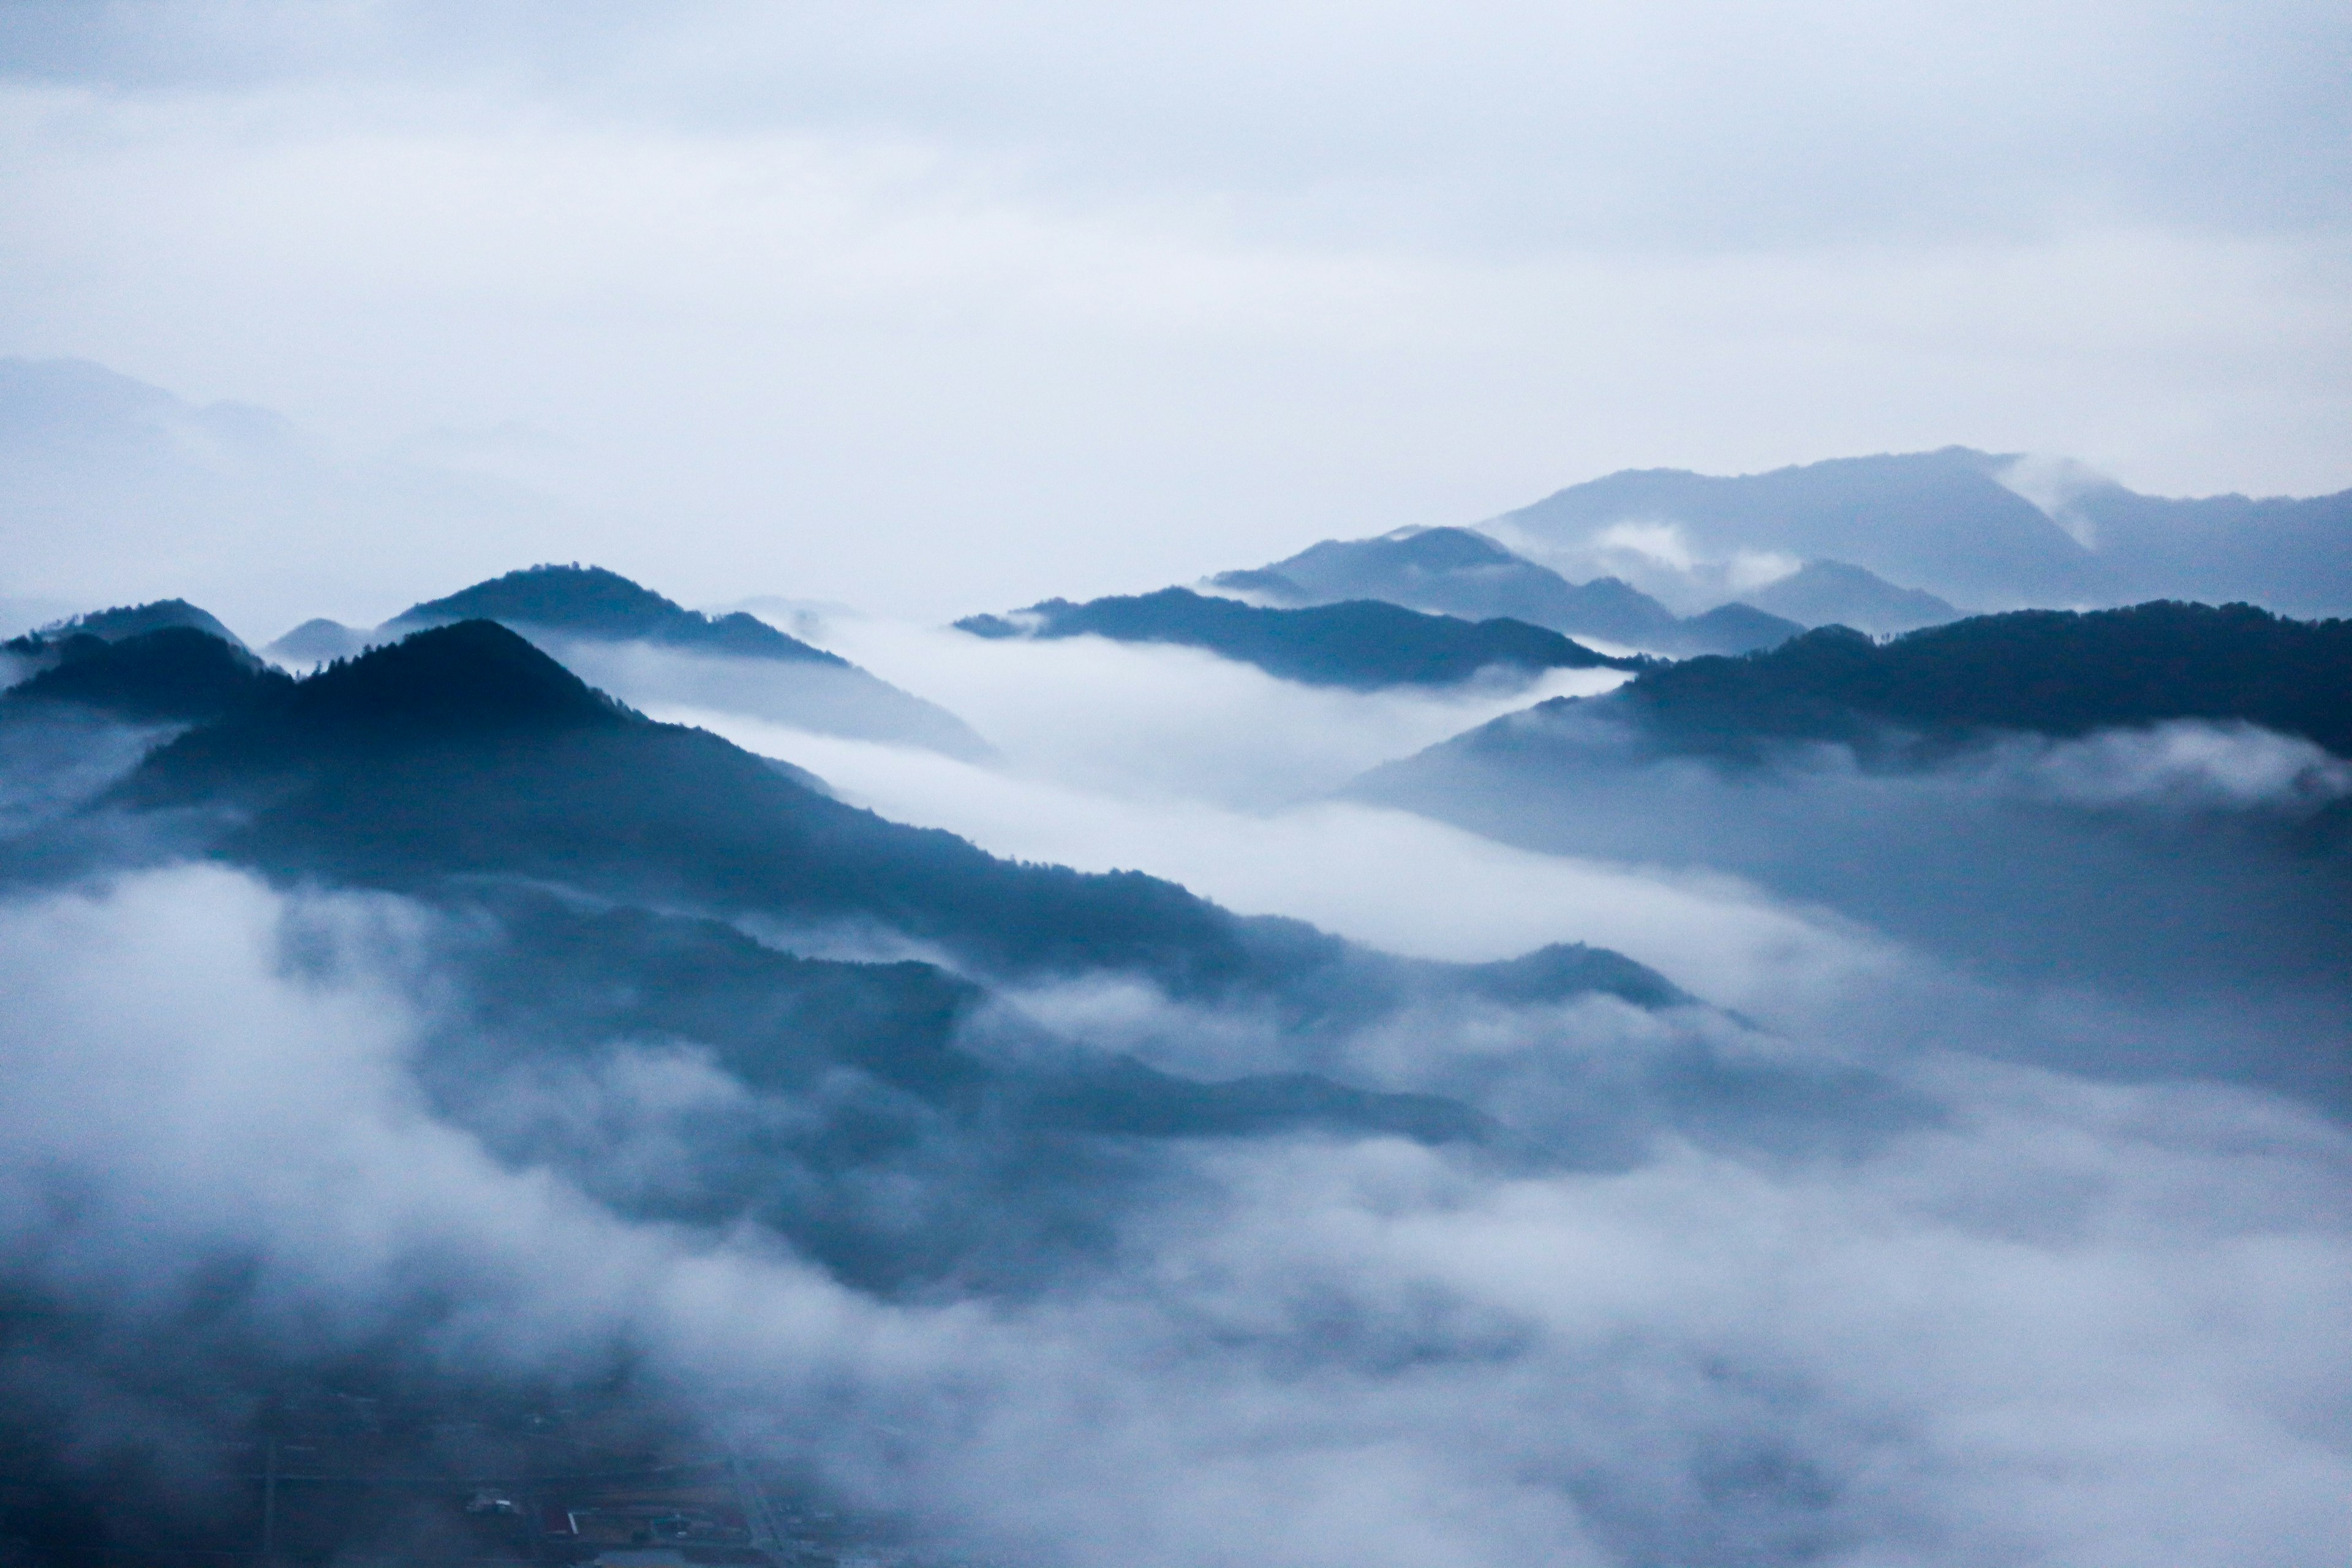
[1979, 529]
[2151, 803]
[1459, 571]
[627, 878]
[612, 630]
[1364, 643]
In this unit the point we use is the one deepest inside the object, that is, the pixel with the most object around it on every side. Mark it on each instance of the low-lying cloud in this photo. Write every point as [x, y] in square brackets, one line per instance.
[2063, 1323]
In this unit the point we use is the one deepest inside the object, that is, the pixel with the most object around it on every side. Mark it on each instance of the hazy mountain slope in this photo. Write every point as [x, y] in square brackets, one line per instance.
[590, 602]
[630, 639]
[1734, 628]
[319, 641]
[1834, 592]
[591, 852]
[175, 673]
[84, 711]
[2054, 672]
[1459, 571]
[900, 1127]
[466, 750]
[2135, 804]
[2294, 555]
[1940, 520]
[130, 621]
[1363, 644]
[1946, 522]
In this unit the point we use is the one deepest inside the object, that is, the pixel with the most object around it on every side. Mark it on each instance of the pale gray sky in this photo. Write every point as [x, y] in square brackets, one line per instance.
[948, 306]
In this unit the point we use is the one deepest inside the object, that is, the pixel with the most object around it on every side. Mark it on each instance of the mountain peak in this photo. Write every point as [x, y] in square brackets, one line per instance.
[174, 672]
[470, 678]
[128, 621]
[595, 603]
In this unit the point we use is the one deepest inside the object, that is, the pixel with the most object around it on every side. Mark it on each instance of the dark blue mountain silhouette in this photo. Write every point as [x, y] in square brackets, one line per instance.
[1364, 643]
[174, 673]
[2055, 672]
[466, 750]
[591, 602]
[590, 617]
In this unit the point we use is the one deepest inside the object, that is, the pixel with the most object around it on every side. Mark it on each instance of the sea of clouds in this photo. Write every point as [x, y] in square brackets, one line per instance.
[2014, 1314]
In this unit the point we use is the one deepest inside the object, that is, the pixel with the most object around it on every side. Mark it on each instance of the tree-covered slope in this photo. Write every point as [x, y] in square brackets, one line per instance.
[2056, 673]
[626, 638]
[464, 751]
[591, 602]
[1363, 644]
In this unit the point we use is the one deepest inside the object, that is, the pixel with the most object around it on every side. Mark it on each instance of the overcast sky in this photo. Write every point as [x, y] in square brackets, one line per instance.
[933, 307]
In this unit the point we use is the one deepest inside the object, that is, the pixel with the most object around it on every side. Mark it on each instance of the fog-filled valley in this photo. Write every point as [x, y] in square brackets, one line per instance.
[1013, 785]
[560, 1073]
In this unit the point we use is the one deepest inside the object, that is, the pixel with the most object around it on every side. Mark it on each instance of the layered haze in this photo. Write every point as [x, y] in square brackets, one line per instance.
[1523, 955]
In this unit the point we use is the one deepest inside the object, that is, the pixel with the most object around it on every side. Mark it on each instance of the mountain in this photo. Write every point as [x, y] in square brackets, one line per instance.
[320, 641]
[1459, 571]
[126, 621]
[2151, 804]
[1363, 644]
[633, 640]
[1735, 627]
[173, 673]
[465, 751]
[86, 639]
[2054, 672]
[590, 602]
[1956, 523]
[610, 879]
[1833, 592]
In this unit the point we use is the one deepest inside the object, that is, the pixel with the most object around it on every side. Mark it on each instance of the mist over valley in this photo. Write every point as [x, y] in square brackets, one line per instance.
[1014, 786]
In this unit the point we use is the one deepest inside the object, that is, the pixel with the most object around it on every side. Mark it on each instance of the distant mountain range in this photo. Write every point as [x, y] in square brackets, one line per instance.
[2048, 672]
[1365, 643]
[621, 860]
[1956, 523]
[123, 621]
[174, 673]
[1458, 571]
[2153, 802]
[2051, 672]
[613, 631]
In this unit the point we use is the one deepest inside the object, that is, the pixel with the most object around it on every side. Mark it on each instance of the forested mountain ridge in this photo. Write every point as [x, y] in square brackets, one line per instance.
[1460, 571]
[591, 602]
[1365, 643]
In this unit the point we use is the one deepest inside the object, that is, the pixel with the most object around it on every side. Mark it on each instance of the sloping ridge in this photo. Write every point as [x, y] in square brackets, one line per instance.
[2055, 672]
[466, 750]
[1941, 519]
[1837, 593]
[1460, 571]
[592, 619]
[1947, 521]
[175, 672]
[129, 621]
[589, 601]
[464, 757]
[1361, 643]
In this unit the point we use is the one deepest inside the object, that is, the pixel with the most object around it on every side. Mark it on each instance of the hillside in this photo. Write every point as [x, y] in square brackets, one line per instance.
[1363, 644]
[630, 639]
[1459, 571]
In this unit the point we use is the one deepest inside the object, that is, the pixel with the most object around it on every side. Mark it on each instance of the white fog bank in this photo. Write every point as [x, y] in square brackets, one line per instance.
[2064, 1327]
